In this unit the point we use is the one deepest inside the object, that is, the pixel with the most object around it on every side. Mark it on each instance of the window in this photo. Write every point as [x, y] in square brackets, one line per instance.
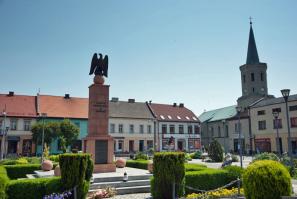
[253, 89]
[190, 129]
[243, 77]
[141, 129]
[237, 127]
[149, 144]
[171, 129]
[164, 128]
[278, 123]
[212, 131]
[181, 129]
[131, 128]
[293, 121]
[226, 131]
[262, 77]
[120, 145]
[112, 128]
[262, 125]
[276, 110]
[196, 129]
[13, 124]
[262, 112]
[252, 77]
[121, 127]
[219, 131]
[293, 108]
[149, 129]
[27, 125]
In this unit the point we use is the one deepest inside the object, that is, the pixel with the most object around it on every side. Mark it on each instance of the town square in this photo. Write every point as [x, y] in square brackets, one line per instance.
[148, 99]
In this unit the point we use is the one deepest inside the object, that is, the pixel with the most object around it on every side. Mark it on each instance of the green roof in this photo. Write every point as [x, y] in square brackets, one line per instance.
[218, 114]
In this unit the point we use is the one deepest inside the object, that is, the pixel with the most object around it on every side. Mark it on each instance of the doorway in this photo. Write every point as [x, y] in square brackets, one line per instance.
[180, 145]
[141, 145]
[131, 145]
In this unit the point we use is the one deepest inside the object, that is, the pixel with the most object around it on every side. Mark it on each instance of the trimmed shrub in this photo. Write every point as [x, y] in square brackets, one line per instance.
[207, 179]
[33, 160]
[188, 157]
[196, 155]
[266, 156]
[54, 158]
[90, 168]
[234, 171]
[4, 180]
[20, 171]
[168, 168]
[215, 151]
[33, 188]
[139, 164]
[234, 158]
[194, 167]
[266, 179]
[14, 161]
[140, 156]
[74, 172]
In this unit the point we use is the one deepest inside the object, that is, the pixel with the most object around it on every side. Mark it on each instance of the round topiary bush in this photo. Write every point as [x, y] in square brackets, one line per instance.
[215, 151]
[266, 156]
[266, 179]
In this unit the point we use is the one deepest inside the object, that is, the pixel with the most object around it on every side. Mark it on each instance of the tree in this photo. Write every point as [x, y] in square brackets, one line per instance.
[68, 134]
[215, 151]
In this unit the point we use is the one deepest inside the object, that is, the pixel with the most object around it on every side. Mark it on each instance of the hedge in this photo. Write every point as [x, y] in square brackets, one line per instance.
[139, 164]
[4, 180]
[168, 168]
[207, 179]
[20, 170]
[33, 188]
[194, 167]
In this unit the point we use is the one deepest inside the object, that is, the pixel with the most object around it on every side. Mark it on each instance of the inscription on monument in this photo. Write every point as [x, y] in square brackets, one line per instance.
[101, 151]
[99, 106]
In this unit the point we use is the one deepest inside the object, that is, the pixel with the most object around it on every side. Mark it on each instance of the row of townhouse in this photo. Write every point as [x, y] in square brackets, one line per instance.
[135, 126]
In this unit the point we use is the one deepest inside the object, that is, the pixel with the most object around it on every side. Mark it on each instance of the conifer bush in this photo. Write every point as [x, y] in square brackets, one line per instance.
[215, 151]
[266, 179]
[168, 168]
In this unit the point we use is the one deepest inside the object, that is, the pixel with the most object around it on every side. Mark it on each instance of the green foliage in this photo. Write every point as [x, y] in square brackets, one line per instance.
[4, 180]
[141, 156]
[215, 151]
[194, 167]
[33, 188]
[266, 156]
[234, 158]
[168, 168]
[46, 151]
[20, 170]
[266, 179]
[90, 168]
[234, 171]
[207, 179]
[54, 158]
[33, 160]
[68, 133]
[139, 164]
[74, 172]
[188, 157]
[196, 155]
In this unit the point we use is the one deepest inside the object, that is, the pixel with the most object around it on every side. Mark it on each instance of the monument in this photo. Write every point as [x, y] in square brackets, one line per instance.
[98, 142]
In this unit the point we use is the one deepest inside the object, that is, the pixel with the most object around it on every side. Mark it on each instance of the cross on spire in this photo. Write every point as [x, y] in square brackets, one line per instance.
[251, 20]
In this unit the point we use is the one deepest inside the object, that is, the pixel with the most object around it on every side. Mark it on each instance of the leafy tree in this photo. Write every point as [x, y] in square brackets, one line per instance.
[215, 151]
[50, 132]
[68, 134]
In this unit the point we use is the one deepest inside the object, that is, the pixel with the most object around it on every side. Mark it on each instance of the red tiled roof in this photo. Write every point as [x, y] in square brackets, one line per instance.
[58, 106]
[165, 112]
[18, 105]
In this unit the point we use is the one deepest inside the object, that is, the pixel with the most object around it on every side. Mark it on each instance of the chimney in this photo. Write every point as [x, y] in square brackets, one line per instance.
[131, 100]
[174, 104]
[181, 105]
[10, 94]
[67, 96]
[115, 99]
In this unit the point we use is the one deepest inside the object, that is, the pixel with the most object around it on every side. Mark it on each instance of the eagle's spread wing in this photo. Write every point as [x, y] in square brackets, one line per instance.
[105, 65]
[93, 63]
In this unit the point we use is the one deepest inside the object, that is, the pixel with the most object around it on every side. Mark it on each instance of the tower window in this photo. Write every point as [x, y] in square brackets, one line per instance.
[252, 77]
[253, 89]
[243, 78]
[262, 77]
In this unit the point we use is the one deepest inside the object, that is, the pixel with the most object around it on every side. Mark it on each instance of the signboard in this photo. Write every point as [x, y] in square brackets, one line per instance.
[101, 151]
[99, 106]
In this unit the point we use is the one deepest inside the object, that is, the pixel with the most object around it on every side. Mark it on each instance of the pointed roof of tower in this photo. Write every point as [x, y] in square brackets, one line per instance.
[252, 54]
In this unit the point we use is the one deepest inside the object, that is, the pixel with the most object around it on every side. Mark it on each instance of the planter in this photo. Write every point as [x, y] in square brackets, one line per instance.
[57, 171]
[150, 166]
[47, 165]
[121, 163]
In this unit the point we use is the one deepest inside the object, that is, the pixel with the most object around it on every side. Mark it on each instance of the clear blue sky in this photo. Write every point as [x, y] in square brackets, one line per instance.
[164, 51]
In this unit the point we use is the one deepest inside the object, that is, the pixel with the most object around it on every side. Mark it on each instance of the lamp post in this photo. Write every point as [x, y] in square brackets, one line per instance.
[224, 134]
[238, 109]
[275, 115]
[43, 115]
[286, 94]
[3, 136]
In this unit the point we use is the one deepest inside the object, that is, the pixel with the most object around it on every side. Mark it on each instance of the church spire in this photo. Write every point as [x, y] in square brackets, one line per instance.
[252, 54]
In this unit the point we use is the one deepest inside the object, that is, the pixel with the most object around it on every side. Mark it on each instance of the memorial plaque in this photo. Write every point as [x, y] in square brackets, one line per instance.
[101, 151]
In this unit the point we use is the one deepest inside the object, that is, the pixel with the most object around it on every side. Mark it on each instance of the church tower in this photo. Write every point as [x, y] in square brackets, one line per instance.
[253, 75]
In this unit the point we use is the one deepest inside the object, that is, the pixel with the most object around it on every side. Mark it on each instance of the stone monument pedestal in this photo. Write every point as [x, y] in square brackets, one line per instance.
[98, 142]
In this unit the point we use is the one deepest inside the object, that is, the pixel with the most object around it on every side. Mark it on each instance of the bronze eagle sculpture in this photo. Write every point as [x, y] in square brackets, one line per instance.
[99, 66]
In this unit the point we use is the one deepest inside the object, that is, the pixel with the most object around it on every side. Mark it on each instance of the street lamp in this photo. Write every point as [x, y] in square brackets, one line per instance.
[224, 134]
[275, 115]
[238, 109]
[286, 94]
[43, 115]
[4, 131]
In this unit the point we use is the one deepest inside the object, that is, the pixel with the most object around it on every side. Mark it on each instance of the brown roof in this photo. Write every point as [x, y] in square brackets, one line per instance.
[18, 105]
[58, 106]
[165, 112]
